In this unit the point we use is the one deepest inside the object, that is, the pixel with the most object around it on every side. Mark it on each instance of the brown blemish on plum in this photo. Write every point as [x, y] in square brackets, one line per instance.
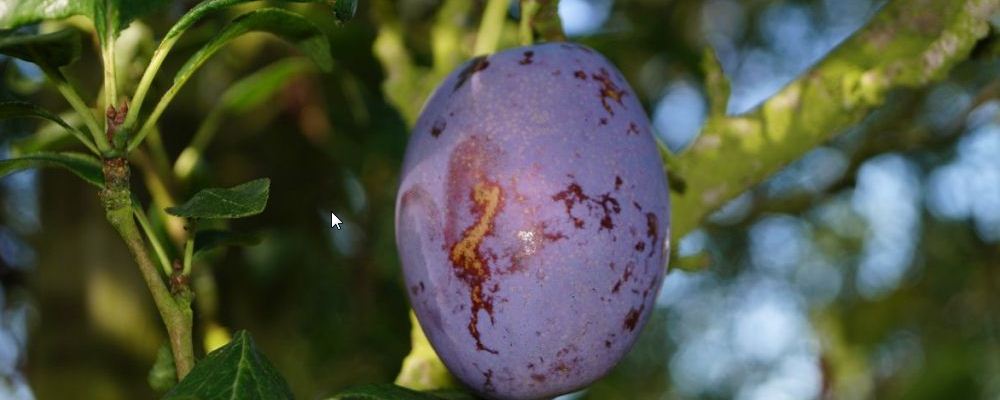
[580, 75]
[468, 182]
[556, 72]
[538, 378]
[652, 231]
[418, 288]
[609, 90]
[475, 65]
[632, 129]
[603, 121]
[527, 58]
[640, 246]
[561, 368]
[618, 182]
[632, 318]
[567, 350]
[488, 384]
[607, 344]
[609, 204]
[565, 368]
[438, 127]
[625, 277]
[573, 196]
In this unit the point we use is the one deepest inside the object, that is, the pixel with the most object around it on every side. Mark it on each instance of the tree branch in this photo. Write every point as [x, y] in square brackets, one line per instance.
[903, 46]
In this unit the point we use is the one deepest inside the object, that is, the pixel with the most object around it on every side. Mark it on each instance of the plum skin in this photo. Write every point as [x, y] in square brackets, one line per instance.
[532, 220]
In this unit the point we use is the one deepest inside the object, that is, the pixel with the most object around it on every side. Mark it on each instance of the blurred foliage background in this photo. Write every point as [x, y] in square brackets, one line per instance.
[870, 268]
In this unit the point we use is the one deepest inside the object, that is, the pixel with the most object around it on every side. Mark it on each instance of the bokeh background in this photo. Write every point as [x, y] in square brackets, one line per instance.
[870, 268]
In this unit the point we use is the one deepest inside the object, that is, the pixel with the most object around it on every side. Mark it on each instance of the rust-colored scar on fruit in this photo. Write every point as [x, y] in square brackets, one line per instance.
[606, 204]
[438, 127]
[632, 318]
[633, 129]
[472, 191]
[625, 277]
[488, 383]
[527, 59]
[609, 90]
[468, 259]
[652, 232]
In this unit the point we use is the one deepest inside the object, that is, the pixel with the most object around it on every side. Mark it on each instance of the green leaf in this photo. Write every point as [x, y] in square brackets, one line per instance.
[16, 13]
[130, 10]
[163, 375]
[83, 165]
[258, 88]
[387, 391]
[206, 7]
[287, 25]
[343, 10]
[20, 109]
[236, 202]
[234, 371]
[54, 49]
[209, 239]
[48, 137]
[24, 12]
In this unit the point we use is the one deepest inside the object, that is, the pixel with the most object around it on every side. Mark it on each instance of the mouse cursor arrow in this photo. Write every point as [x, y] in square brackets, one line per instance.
[334, 221]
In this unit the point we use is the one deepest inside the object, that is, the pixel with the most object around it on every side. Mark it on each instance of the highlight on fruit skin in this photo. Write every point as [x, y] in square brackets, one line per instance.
[532, 220]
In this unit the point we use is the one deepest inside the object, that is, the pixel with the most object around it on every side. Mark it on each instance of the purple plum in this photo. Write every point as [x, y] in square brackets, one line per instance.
[532, 220]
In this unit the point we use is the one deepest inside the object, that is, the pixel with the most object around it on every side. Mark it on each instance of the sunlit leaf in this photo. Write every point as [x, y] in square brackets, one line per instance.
[15, 13]
[84, 166]
[236, 202]
[54, 49]
[235, 371]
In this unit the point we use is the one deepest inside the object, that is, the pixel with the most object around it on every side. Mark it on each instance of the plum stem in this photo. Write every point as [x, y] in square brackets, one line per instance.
[490, 27]
[541, 16]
